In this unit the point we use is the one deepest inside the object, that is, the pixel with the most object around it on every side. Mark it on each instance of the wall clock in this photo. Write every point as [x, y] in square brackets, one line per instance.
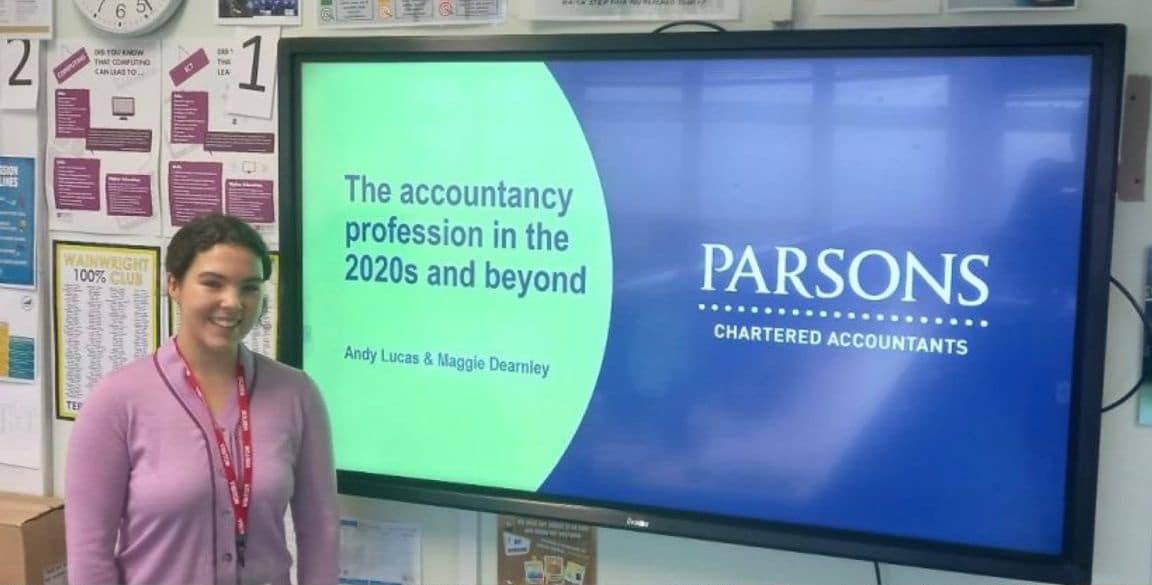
[127, 17]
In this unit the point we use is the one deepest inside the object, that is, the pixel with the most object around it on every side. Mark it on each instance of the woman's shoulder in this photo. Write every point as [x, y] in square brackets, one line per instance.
[280, 375]
[137, 372]
[123, 385]
[294, 391]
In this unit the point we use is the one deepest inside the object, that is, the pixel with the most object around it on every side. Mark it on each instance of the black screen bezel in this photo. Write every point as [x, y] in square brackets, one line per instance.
[1103, 43]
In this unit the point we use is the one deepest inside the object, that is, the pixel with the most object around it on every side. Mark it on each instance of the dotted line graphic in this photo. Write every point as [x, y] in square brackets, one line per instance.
[843, 315]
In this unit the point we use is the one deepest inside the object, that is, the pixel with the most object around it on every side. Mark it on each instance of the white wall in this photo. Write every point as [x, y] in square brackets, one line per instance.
[452, 553]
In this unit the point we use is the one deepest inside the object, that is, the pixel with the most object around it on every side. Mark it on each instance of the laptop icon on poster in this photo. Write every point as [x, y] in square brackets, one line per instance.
[123, 107]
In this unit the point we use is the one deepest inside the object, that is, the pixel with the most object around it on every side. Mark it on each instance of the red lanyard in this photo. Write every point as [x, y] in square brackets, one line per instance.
[241, 495]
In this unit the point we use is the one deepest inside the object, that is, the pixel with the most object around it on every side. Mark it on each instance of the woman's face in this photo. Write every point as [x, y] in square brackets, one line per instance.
[220, 297]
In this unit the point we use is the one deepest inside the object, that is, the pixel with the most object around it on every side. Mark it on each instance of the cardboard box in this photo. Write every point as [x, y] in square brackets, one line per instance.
[32, 540]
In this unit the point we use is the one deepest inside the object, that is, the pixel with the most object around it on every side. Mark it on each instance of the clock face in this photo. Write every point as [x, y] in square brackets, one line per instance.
[127, 17]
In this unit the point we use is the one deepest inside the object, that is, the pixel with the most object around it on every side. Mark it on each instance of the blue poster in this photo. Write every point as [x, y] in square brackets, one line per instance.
[17, 221]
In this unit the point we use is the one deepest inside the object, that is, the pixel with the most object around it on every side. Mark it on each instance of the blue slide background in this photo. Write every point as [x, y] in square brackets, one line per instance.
[972, 155]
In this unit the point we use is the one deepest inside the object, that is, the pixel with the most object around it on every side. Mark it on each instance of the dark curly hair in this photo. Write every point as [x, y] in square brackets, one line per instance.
[206, 231]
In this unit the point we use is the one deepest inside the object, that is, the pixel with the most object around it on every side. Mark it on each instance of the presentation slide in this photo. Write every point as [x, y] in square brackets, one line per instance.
[838, 292]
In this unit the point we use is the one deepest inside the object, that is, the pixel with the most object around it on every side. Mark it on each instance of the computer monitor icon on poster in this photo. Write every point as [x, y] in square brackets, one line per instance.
[123, 107]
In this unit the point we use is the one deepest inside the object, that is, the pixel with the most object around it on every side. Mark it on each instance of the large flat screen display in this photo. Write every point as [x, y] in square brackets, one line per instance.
[838, 292]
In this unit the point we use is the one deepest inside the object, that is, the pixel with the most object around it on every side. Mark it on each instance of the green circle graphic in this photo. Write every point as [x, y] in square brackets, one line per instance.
[527, 285]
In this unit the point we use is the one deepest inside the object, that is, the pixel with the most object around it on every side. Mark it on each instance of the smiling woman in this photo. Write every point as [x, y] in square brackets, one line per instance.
[161, 460]
[218, 290]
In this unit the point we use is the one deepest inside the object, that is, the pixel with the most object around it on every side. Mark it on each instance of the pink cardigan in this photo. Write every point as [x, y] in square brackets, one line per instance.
[145, 496]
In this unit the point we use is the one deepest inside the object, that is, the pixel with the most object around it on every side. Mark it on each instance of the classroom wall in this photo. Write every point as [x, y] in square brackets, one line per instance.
[460, 546]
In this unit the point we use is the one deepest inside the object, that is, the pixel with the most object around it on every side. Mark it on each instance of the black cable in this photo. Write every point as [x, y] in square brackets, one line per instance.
[876, 565]
[703, 23]
[1147, 331]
